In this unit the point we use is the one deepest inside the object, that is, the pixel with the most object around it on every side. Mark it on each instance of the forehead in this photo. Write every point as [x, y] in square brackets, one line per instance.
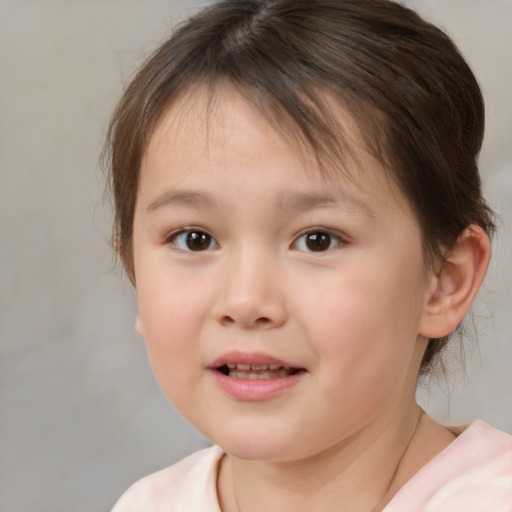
[203, 129]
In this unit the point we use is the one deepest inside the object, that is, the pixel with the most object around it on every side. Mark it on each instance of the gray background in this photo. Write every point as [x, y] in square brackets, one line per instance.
[81, 416]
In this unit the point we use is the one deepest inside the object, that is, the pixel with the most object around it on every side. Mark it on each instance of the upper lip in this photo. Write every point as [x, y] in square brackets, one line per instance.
[251, 358]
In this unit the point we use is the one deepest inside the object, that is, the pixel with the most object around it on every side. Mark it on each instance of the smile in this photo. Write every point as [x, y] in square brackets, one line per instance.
[254, 376]
[256, 371]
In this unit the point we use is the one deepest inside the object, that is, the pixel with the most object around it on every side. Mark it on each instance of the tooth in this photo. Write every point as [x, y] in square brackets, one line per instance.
[231, 365]
[254, 373]
[259, 367]
[274, 366]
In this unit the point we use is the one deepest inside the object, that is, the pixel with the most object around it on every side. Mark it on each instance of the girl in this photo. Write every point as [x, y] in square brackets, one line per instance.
[298, 207]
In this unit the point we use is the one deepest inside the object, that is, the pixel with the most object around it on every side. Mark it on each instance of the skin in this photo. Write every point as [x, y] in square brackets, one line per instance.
[354, 317]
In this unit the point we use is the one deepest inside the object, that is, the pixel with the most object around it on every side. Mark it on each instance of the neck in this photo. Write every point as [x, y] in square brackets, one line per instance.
[361, 474]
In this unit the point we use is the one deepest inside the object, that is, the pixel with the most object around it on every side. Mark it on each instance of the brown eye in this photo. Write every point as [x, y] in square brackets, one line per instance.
[316, 241]
[197, 241]
[194, 240]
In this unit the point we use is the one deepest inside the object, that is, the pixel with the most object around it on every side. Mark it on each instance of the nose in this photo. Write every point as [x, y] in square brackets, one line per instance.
[250, 294]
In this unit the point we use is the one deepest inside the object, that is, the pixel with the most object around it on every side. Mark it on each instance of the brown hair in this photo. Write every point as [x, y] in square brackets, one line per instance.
[402, 79]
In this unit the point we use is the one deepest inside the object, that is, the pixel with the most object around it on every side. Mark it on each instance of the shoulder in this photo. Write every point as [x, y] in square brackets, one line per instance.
[473, 474]
[187, 485]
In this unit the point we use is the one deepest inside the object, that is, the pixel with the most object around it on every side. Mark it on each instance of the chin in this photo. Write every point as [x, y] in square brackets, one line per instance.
[258, 452]
[255, 441]
[262, 445]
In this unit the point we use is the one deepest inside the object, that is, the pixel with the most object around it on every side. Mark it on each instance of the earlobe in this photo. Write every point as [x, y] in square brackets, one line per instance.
[139, 327]
[456, 283]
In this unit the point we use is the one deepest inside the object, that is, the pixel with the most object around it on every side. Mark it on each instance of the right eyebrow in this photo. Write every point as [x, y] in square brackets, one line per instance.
[184, 198]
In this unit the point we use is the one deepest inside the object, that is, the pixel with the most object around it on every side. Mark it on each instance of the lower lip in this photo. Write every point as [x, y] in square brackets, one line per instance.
[249, 390]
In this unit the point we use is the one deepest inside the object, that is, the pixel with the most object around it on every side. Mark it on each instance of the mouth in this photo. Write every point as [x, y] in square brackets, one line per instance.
[255, 376]
[257, 371]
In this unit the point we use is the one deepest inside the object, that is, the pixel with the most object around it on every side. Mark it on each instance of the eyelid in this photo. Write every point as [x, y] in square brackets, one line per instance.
[335, 235]
[173, 235]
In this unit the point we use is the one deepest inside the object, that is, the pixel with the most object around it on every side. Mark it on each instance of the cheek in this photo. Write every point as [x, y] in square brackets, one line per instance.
[170, 301]
[365, 325]
[364, 358]
[369, 311]
[171, 316]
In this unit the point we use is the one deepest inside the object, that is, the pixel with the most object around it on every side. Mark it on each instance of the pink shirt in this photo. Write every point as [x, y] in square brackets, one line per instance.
[473, 474]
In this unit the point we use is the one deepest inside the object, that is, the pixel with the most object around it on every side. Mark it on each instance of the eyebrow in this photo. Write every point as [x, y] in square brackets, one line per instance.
[290, 203]
[185, 198]
[303, 202]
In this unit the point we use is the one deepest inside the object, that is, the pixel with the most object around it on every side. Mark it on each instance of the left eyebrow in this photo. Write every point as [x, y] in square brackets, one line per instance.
[184, 198]
[303, 202]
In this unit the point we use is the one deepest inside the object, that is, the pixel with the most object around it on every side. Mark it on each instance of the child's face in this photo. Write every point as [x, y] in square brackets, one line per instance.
[244, 254]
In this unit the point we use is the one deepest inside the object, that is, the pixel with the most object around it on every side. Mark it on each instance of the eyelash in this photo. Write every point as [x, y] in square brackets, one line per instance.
[333, 239]
[175, 236]
[318, 236]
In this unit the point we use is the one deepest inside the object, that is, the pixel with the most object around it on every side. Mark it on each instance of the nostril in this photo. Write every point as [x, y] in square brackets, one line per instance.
[246, 322]
[226, 320]
[259, 322]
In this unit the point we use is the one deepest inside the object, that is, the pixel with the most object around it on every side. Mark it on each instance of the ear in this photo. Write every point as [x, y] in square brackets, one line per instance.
[455, 285]
[139, 327]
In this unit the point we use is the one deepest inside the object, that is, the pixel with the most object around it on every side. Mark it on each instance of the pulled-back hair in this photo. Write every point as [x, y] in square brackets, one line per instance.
[415, 100]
